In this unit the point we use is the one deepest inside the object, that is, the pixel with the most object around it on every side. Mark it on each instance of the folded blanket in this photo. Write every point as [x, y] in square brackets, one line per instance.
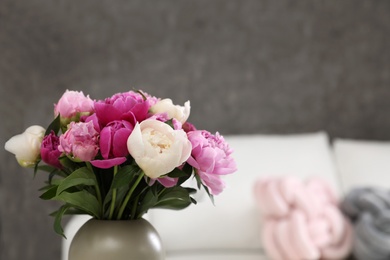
[369, 209]
[302, 220]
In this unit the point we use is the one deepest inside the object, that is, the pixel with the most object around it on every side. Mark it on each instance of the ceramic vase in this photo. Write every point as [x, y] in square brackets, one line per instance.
[116, 240]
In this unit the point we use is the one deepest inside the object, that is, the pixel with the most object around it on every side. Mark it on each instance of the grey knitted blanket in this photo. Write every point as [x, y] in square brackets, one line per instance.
[369, 210]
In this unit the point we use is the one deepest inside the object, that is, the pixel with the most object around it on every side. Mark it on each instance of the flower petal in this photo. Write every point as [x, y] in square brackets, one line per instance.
[105, 164]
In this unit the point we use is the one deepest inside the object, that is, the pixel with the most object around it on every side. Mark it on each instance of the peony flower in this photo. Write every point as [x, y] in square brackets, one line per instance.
[49, 150]
[80, 141]
[129, 106]
[157, 148]
[164, 118]
[188, 127]
[180, 113]
[113, 144]
[211, 157]
[26, 146]
[72, 105]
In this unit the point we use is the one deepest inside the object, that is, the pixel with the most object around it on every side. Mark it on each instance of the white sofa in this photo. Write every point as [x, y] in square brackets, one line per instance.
[231, 229]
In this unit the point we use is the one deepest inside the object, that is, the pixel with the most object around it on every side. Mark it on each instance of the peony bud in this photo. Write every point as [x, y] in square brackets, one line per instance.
[72, 105]
[180, 113]
[49, 150]
[26, 146]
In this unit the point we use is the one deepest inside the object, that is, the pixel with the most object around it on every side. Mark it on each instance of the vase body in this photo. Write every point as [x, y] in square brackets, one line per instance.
[116, 240]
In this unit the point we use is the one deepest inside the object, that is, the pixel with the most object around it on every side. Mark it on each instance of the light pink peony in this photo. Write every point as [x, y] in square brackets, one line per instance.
[80, 141]
[72, 104]
[49, 150]
[211, 156]
[113, 144]
[130, 106]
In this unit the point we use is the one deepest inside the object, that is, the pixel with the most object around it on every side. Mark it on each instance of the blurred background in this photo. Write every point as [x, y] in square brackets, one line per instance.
[248, 67]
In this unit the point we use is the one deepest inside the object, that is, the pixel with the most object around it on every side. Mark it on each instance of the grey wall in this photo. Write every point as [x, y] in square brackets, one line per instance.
[247, 67]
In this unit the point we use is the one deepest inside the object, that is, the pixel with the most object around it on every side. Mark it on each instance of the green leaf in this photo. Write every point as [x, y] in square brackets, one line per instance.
[188, 170]
[193, 200]
[68, 163]
[82, 200]
[174, 198]
[50, 193]
[70, 211]
[149, 201]
[36, 168]
[198, 181]
[208, 193]
[120, 195]
[191, 190]
[46, 168]
[82, 176]
[170, 123]
[58, 219]
[54, 126]
[177, 173]
[124, 176]
[56, 172]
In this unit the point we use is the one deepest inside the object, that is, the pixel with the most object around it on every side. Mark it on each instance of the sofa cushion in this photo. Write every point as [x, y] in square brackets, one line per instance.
[362, 163]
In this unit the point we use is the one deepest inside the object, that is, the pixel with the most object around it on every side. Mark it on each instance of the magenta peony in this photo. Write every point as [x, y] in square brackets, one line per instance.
[130, 106]
[211, 158]
[80, 141]
[49, 150]
[113, 144]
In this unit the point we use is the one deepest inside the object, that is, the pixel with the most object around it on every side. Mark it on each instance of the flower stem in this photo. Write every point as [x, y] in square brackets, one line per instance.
[134, 209]
[127, 198]
[114, 191]
[97, 189]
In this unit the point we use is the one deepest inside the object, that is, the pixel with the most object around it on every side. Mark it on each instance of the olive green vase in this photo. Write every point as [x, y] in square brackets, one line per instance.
[116, 240]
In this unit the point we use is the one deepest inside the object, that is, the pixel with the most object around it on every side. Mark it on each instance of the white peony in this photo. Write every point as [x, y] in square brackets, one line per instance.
[26, 146]
[180, 113]
[157, 148]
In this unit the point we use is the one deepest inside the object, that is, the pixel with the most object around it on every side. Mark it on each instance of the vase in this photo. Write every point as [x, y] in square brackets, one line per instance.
[116, 240]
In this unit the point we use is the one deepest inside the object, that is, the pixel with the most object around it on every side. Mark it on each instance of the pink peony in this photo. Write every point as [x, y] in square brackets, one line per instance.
[49, 150]
[72, 104]
[129, 106]
[211, 157]
[113, 144]
[188, 127]
[80, 141]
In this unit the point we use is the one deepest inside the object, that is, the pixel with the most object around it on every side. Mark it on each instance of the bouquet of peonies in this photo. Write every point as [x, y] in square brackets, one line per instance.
[117, 158]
